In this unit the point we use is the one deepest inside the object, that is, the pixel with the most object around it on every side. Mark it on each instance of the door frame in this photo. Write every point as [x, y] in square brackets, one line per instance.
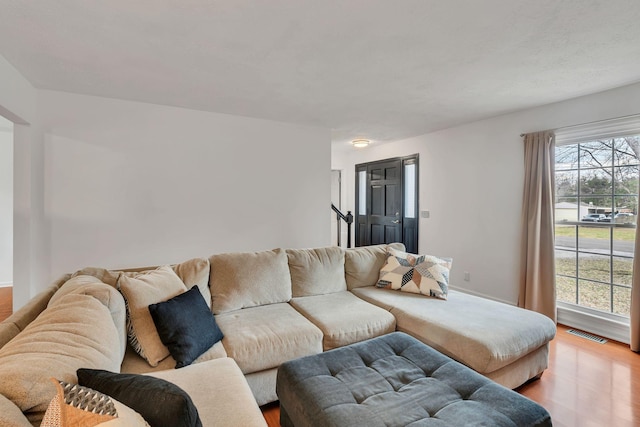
[409, 223]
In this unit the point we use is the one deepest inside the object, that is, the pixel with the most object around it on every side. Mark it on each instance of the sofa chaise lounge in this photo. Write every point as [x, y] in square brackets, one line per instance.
[271, 306]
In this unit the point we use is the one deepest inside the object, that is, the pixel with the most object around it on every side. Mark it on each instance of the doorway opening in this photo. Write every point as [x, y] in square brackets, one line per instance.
[387, 202]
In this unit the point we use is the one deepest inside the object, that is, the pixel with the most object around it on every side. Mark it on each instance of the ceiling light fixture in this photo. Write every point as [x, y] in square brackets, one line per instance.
[360, 143]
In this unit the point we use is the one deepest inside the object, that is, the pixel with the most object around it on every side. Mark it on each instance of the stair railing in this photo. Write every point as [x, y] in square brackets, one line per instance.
[348, 218]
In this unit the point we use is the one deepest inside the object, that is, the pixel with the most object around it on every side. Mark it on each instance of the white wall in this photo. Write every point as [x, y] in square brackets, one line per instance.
[130, 184]
[471, 180]
[6, 202]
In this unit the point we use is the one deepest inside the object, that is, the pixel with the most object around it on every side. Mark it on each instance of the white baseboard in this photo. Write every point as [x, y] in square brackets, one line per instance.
[6, 284]
[606, 328]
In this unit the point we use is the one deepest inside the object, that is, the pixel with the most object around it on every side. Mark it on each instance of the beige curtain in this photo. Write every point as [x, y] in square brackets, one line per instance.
[634, 324]
[537, 266]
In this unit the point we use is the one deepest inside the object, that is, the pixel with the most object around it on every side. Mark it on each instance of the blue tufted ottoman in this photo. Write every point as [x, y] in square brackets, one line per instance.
[395, 380]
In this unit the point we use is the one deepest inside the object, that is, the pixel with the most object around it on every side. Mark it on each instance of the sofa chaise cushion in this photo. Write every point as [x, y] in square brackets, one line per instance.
[316, 271]
[483, 334]
[243, 280]
[263, 337]
[344, 318]
[75, 332]
[220, 390]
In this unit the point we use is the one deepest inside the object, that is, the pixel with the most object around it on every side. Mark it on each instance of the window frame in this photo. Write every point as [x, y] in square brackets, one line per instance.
[603, 323]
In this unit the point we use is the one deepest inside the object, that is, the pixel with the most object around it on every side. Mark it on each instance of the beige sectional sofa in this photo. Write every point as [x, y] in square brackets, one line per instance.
[273, 306]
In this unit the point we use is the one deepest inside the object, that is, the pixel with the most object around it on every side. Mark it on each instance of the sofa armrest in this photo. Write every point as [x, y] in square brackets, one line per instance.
[19, 320]
[11, 415]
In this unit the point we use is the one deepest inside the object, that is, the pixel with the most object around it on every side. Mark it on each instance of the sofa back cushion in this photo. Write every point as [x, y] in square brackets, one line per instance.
[316, 271]
[192, 272]
[242, 280]
[77, 331]
[362, 265]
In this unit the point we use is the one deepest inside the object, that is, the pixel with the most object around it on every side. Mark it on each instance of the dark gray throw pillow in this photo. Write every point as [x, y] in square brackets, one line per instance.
[160, 402]
[186, 326]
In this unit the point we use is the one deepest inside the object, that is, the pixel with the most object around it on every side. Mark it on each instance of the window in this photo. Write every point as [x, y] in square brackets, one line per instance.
[596, 214]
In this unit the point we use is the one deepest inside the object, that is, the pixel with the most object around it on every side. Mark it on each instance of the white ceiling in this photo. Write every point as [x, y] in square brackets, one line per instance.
[378, 69]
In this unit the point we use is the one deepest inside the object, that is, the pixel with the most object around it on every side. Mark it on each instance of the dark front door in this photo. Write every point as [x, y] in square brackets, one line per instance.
[380, 203]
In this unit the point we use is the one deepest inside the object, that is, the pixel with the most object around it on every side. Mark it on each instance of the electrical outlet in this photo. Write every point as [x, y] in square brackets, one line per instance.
[467, 276]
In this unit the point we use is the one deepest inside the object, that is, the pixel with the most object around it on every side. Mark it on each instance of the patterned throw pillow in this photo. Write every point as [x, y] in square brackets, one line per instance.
[419, 274]
[74, 405]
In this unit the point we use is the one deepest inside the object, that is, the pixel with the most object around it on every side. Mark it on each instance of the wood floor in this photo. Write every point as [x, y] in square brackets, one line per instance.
[587, 384]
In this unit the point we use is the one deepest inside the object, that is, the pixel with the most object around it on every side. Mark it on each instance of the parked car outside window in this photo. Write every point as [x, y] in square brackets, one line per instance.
[619, 217]
[594, 217]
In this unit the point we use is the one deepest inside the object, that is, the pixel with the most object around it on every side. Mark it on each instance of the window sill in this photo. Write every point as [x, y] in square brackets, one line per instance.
[608, 326]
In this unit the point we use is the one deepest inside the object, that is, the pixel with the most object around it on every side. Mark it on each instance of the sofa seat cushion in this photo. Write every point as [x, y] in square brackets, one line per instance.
[263, 337]
[481, 333]
[133, 363]
[243, 280]
[344, 318]
[219, 391]
[75, 332]
[316, 271]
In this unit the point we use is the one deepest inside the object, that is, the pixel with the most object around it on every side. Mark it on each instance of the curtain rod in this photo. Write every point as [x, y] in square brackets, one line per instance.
[588, 123]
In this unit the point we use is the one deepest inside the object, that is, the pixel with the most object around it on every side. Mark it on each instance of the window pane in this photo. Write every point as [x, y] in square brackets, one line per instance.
[594, 238]
[594, 295]
[622, 270]
[624, 153]
[362, 192]
[565, 236]
[567, 157]
[566, 263]
[410, 191]
[596, 154]
[567, 209]
[596, 181]
[622, 300]
[594, 267]
[566, 184]
[624, 241]
[626, 180]
[596, 205]
[566, 290]
[625, 209]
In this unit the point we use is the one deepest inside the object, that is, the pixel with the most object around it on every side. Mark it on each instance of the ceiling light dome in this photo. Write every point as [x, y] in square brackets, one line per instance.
[360, 143]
